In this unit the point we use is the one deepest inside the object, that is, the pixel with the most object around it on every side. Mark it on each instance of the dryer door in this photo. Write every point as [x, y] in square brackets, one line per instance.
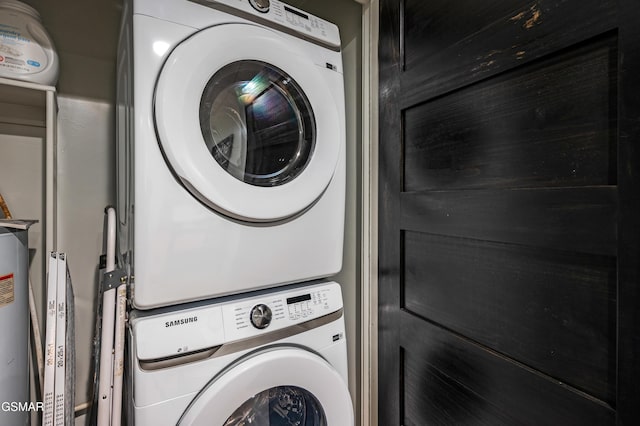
[274, 387]
[247, 123]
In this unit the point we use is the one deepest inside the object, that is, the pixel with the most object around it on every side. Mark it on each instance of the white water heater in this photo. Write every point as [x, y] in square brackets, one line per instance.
[14, 323]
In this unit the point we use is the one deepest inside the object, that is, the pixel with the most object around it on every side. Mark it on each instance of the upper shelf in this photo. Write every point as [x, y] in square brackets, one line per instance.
[23, 103]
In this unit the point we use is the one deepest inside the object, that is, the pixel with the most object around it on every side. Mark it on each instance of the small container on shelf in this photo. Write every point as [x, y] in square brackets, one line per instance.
[26, 49]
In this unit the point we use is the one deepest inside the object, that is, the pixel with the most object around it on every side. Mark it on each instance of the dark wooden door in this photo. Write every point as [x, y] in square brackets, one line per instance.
[509, 212]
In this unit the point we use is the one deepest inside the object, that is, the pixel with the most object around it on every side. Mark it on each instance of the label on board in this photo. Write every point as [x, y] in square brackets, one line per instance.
[7, 290]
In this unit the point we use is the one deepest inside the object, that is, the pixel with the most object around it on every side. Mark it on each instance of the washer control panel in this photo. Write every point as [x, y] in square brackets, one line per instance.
[199, 326]
[282, 309]
[306, 305]
[274, 311]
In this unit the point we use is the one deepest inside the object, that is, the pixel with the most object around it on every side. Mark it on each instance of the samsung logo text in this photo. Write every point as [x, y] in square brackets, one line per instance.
[181, 321]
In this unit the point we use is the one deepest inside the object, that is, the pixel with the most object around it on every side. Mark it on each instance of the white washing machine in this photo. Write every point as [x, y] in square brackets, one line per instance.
[274, 358]
[231, 148]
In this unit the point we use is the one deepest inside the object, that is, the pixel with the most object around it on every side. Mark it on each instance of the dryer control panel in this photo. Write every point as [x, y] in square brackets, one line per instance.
[286, 18]
[199, 326]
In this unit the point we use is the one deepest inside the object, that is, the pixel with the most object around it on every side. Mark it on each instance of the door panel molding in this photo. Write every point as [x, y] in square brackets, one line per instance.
[509, 212]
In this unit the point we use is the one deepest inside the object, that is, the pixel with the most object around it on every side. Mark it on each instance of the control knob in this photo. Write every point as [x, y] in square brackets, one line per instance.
[260, 316]
[260, 5]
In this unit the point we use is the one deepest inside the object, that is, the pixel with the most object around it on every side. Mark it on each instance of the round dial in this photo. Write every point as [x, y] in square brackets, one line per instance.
[260, 5]
[260, 316]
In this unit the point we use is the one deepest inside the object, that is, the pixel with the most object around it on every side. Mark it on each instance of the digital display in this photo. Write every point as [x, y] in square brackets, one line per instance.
[302, 298]
[295, 12]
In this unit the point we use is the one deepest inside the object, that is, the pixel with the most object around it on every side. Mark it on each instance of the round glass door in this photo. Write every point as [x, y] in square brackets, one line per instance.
[280, 406]
[257, 123]
[253, 131]
[273, 387]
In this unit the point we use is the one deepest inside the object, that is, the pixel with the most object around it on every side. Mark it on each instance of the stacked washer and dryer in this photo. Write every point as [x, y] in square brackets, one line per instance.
[231, 186]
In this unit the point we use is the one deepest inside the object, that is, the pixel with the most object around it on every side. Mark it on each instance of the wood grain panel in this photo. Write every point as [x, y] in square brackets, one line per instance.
[578, 219]
[509, 214]
[455, 22]
[448, 45]
[628, 401]
[553, 311]
[448, 380]
[389, 186]
[551, 124]
[449, 402]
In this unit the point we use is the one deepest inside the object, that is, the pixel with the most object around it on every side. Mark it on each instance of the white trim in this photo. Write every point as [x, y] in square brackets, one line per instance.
[369, 266]
[51, 167]
[27, 85]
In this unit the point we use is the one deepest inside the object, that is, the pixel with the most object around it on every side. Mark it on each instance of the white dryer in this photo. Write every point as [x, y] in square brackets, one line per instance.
[231, 148]
[275, 358]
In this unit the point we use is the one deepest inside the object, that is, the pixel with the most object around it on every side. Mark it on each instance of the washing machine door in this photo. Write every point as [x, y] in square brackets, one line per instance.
[247, 122]
[276, 387]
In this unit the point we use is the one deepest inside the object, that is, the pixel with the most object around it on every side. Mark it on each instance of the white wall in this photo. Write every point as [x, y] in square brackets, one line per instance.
[86, 153]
